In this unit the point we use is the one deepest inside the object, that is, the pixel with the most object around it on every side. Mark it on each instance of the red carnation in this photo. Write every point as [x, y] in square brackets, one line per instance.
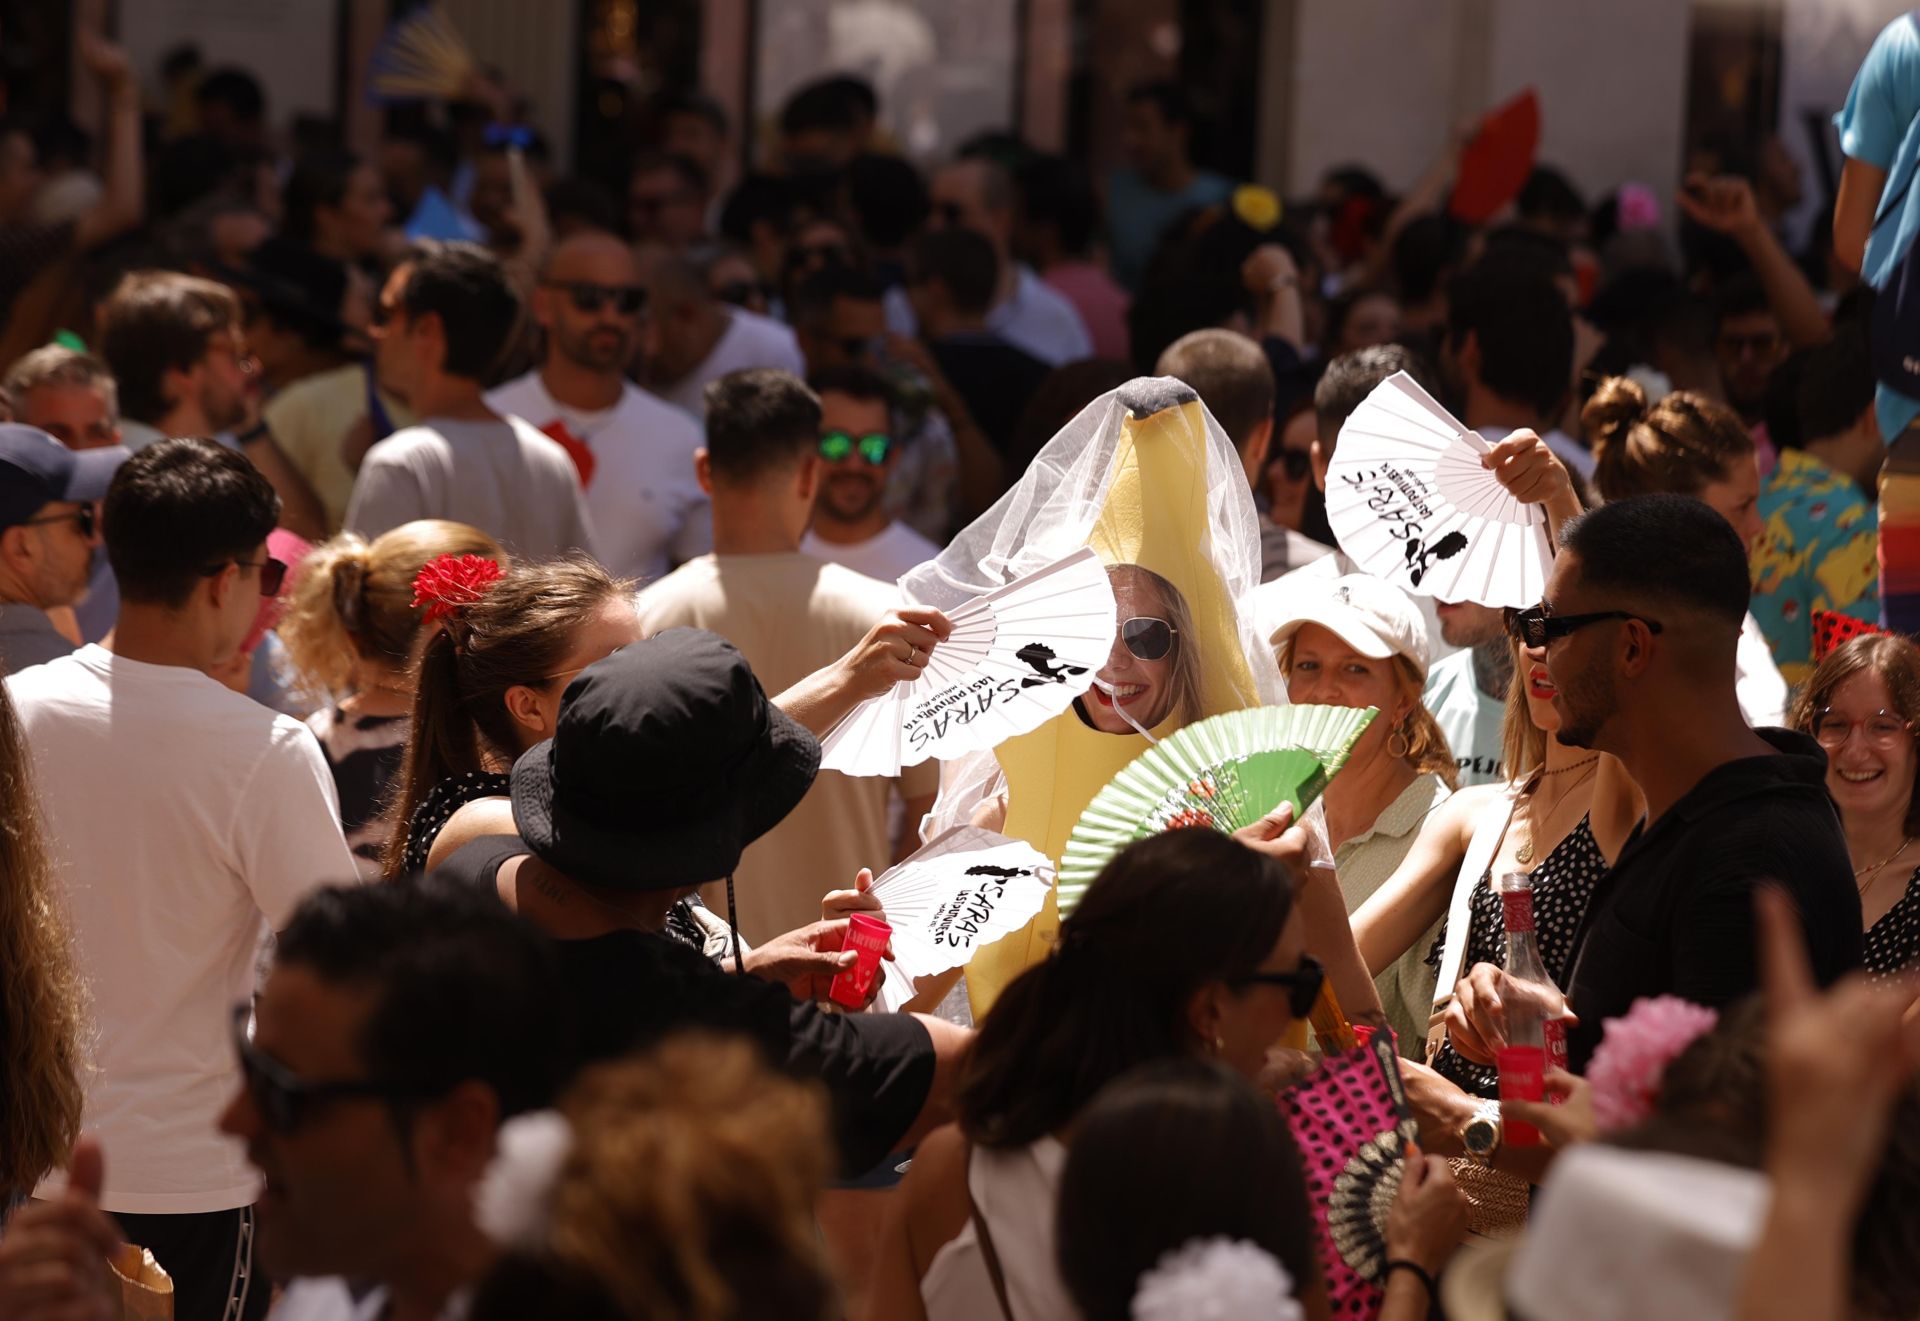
[451, 583]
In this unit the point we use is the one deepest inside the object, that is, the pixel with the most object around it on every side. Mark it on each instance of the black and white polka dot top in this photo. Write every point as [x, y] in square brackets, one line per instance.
[1893, 943]
[438, 807]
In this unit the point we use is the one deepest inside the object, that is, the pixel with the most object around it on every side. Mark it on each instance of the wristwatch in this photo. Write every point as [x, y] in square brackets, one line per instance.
[1481, 1136]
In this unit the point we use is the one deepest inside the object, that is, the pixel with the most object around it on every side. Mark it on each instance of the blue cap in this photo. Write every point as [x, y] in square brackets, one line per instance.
[36, 470]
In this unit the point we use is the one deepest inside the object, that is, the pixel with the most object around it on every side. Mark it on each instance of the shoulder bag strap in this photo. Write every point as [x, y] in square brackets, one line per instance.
[1480, 850]
[985, 1239]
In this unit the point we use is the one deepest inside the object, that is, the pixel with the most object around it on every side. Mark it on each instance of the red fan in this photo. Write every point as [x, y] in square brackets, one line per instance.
[1831, 629]
[1352, 1124]
[1498, 160]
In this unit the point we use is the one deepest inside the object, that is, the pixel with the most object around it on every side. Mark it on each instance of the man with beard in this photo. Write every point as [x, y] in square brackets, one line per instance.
[633, 451]
[1467, 691]
[49, 502]
[1638, 631]
[859, 449]
[177, 348]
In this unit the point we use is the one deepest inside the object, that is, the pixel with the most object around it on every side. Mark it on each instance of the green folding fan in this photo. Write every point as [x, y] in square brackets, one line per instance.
[1226, 771]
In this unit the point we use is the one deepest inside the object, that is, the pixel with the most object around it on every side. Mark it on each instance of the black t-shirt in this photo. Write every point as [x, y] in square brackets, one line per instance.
[631, 988]
[995, 379]
[1675, 914]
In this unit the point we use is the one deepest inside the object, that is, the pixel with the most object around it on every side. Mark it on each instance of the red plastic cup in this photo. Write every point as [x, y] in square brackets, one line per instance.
[1523, 1077]
[868, 936]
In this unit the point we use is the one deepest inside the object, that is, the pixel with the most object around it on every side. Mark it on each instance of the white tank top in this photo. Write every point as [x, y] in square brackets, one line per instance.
[1016, 1192]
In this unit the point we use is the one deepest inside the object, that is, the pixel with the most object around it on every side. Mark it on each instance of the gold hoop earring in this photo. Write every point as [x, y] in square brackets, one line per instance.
[1405, 747]
[1219, 1045]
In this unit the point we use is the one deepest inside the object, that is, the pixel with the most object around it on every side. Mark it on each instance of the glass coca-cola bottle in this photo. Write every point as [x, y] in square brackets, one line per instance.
[1534, 1007]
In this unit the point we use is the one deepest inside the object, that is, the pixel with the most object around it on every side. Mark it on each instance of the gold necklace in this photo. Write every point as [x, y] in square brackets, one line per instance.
[1878, 867]
[1524, 853]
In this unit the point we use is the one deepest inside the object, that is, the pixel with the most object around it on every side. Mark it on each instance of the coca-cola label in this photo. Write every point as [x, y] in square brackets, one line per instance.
[1522, 1078]
[1518, 906]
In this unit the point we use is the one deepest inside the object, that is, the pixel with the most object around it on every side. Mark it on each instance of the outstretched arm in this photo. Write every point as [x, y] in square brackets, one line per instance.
[894, 650]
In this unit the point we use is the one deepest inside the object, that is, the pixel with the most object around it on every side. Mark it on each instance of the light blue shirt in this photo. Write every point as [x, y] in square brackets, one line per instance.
[1880, 124]
[1036, 319]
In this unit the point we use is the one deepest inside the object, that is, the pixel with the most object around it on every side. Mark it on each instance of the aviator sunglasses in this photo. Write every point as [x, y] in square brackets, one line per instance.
[1147, 638]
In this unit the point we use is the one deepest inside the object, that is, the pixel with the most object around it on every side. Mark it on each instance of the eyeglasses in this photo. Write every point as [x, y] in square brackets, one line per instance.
[1303, 984]
[837, 445]
[1296, 464]
[286, 1100]
[1535, 627]
[83, 517]
[1763, 345]
[1883, 729]
[627, 299]
[1147, 638]
[272, 572]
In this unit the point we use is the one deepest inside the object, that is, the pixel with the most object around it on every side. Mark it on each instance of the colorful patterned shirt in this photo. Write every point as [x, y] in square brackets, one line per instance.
[1816, 552]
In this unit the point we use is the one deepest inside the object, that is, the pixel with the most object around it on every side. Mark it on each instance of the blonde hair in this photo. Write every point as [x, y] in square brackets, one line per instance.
[41, 993]
[687, 1194]
[1188, 699]
[1427, 749]
[1523, 744]
[353, 599]
[1679, 445]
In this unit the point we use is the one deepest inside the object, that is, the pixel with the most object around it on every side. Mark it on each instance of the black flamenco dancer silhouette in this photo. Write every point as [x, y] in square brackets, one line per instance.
[1004, 873]
[1420, 559]
[1040, 657]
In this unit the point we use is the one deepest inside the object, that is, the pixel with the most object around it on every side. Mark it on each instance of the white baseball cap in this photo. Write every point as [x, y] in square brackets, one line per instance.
[1369, 614]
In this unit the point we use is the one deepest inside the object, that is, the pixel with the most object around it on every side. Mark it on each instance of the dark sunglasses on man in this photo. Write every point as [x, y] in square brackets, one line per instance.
[285, 1099]
[272, 572]
[1303, 984]
[873, 447]
[627, 299]
[1147, 638]
[83, 517]
[1535, 627]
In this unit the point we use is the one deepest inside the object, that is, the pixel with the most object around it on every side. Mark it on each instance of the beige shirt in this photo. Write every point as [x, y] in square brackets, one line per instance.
[310, 420]
[1364, 863]
[791, 614]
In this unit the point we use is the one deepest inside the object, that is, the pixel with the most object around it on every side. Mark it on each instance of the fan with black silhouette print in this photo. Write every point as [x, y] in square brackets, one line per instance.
[1411, 502]
[1017, 657]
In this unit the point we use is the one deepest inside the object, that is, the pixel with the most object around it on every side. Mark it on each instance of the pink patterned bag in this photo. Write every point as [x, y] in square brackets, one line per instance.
[1352, 1125]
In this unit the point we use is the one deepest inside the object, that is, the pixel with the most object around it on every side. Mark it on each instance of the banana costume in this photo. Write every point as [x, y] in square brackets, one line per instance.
[1145, 476]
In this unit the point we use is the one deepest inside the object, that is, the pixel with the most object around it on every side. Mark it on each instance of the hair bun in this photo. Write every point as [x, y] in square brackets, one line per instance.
[349, 571]
[1615, 408]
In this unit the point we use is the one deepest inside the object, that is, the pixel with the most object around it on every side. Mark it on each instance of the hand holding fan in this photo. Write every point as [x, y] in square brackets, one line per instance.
[1226, 771]
[1017, 657]
[1411, 503]
[422, 58]
[962, 891]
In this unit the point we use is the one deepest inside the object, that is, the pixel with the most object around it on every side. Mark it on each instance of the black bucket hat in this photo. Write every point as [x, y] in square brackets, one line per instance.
[666, 762]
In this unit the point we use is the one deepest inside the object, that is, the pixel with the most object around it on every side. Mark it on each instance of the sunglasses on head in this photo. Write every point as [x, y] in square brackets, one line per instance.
[1535, 627]
[284, 1098]
[84, 518]
[1147, 638]
[273, 572]
[1303, 984]
[837, 445]
[627, 299]
[1295, 464]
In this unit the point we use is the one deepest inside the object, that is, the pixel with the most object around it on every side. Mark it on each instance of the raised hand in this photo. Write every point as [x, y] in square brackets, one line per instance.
[1723, 203]
[895, 649]
[1530, 471]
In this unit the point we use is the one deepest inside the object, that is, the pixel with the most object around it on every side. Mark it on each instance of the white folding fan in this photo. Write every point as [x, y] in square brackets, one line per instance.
[1410, 502]
[961, 892]
[1018, 657]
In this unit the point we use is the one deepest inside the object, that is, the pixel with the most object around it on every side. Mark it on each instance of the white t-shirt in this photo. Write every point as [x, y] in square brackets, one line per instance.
[1472, 721]
[647, 507]
[1037, 319]
[499, 475]
[1762, 692]
[750, 340]
[184, 820]
[1269, 600]
[885, 555]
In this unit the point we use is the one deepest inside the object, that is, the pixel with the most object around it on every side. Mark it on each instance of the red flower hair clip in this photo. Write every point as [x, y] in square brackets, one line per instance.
[450, 583]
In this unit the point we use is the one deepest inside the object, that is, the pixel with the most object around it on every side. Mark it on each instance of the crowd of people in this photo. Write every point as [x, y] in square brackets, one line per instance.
[427, 578]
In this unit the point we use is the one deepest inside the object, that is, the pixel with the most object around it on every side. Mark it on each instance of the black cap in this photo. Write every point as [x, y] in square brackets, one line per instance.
[293, 282]
[36, 470]
[666, 762]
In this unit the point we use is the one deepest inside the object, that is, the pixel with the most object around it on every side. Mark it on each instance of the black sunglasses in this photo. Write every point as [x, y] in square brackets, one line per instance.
[1535, 628]
[627, 299]
[83, 517]
[286, 1100]
[1303, 984]
[272, 572]
[1296, 464]
[1148, 639]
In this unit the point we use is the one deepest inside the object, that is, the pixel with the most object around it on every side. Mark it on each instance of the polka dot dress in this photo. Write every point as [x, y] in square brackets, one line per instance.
[446, 798]
[1893, 943]
[1562, 885]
